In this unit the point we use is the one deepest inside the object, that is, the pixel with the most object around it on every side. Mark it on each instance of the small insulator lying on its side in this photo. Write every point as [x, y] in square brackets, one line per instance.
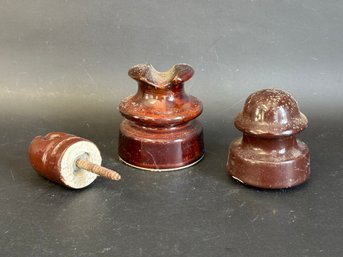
[68, 160]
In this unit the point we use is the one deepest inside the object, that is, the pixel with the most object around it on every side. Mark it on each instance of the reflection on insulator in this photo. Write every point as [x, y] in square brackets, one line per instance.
[282, 151]
[259, 115]
[281, 115]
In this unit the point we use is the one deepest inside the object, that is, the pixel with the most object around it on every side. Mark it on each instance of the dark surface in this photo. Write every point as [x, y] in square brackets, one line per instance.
[63, 67]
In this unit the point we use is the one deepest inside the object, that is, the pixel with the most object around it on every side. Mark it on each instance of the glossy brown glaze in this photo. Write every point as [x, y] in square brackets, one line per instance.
[48, 157]
[159, 131]
[269, 155]
[45, 153]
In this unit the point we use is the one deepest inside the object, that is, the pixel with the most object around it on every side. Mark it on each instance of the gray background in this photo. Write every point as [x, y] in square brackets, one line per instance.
[63, 67]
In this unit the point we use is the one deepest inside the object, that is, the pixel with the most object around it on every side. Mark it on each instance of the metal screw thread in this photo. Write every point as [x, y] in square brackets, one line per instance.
[97, 169]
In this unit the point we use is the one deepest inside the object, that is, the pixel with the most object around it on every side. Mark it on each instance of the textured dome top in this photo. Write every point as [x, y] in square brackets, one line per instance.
[271, 112]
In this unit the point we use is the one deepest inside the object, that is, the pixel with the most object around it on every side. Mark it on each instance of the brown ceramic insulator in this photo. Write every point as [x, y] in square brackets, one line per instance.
[269, 155]
[159, 131]
[67, 159]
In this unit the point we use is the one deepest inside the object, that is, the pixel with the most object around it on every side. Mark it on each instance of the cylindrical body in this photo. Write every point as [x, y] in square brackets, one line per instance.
[160, 148]
[54, 157]
[269, 163]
